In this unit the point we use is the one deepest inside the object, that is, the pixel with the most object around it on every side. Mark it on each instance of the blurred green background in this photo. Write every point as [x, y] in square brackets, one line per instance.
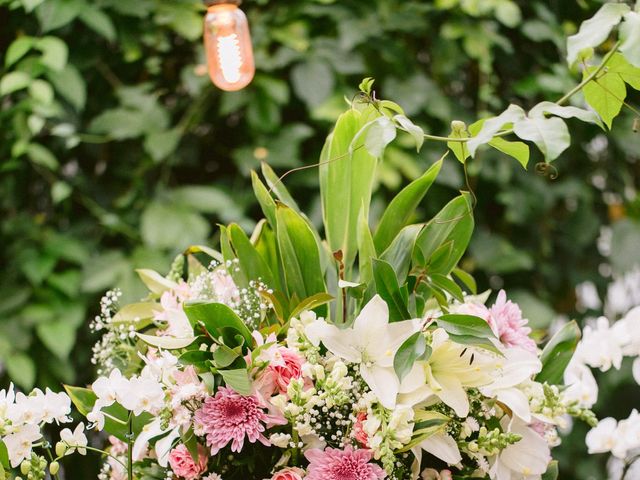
[116, 152]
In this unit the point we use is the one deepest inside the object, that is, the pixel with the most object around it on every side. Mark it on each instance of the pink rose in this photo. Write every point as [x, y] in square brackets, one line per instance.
[288, 367]
[358, 430]
[289, 473]
[183, 464]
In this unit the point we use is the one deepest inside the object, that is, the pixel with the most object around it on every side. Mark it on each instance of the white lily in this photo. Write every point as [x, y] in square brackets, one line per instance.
[449, 370]
[371, 342]
[517, 367]
[528, 458]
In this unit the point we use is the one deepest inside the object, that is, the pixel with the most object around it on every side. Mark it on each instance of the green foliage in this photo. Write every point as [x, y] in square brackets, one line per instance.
[134, 131]
[558, 352]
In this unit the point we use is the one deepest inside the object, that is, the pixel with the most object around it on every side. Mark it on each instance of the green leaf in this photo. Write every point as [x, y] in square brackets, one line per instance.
[629, 73]
[491, 126]
[162, 144]
[99, 22]
[21, 370]
[465, 325]
[446, 284]
[366, 249]
[300, 254]
[251, 262]
[412, 129]
[70, 85]
[415, 347]
[155, 282]
[278, 188]
[630, 38]
[238, 379]
[467, 279]
[216, 317]
[267, 204]
[346, 181]
[468, 330]
[14, 81]
[543, 108]
[171, 226]
[459, 149]
[313, 81]
[168, 343]
[387, 287]
[605, 95]
[403, 207]
[558, 353]
[517, 150]
[378, 134]
[57, 14]
[18, 49]
[595, 30]
[398, 254]
[138, 314]
[59, 336]
[41, 91]
[551, 135]
[54, 52]
[453, 223]
[310, 303]
[552, 471]
[41, 155]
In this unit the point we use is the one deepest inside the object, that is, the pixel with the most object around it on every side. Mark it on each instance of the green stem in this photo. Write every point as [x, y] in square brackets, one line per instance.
[130, 448]
[51, 460]
[295, 439]
[91, 449]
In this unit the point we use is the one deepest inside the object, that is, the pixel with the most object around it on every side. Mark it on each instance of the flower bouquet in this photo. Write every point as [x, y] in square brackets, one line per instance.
[367, 354]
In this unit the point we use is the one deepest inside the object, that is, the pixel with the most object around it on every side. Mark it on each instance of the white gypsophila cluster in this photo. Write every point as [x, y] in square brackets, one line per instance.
[118, 339]
[22, 417]
[217, 285]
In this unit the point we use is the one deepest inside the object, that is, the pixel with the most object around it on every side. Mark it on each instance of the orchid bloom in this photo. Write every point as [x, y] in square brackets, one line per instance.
[372, 343]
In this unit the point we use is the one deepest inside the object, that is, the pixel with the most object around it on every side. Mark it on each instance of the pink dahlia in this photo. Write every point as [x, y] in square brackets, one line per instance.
[505, 318]
[230, 417]
[183, 464]
[347, 464]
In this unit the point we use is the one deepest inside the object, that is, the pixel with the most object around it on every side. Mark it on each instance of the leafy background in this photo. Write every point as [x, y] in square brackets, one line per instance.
[117, 152]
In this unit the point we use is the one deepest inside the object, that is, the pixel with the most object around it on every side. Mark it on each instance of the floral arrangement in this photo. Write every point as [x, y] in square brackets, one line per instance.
[365, 355]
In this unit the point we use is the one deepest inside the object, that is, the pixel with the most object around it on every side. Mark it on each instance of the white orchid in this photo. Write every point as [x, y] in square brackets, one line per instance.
[449, 370]
[20, 443]
[75, 440]
[371, 342]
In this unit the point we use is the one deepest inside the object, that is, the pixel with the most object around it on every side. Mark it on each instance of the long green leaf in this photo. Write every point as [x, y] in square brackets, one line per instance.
[265, 199]
[300, 254]
[251, 262]
[387, 287]
[398, 254]
[403, 206]
[453, 223]
[346, 181]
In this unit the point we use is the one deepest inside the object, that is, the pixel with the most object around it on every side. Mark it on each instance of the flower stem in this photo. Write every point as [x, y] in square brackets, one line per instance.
[92, 449]
[130, 448]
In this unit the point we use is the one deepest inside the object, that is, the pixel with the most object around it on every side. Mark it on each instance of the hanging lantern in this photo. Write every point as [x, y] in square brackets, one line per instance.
[228, 45]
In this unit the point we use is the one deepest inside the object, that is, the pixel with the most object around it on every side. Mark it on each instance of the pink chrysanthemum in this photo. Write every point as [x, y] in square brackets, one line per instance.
[347, 464]
[230, 417]
[505, 318]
